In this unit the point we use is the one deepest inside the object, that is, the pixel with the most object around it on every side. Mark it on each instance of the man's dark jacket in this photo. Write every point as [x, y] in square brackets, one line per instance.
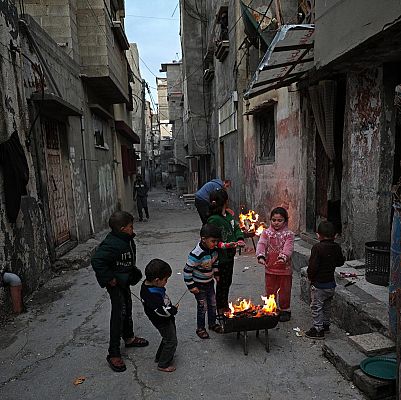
[325, 257]
[116, 258]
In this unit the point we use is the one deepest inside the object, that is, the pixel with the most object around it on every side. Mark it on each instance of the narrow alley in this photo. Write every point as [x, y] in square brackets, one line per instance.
[64, 336]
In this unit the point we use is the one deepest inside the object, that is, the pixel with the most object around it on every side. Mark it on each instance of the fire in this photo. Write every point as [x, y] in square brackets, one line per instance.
[250, 223]
[246, 308]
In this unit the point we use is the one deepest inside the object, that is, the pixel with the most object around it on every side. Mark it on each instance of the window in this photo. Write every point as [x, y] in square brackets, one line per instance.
[266, 135]
[227, 117]
[99, 129]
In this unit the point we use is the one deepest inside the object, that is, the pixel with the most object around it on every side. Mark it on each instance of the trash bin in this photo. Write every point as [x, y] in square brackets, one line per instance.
[377, 263]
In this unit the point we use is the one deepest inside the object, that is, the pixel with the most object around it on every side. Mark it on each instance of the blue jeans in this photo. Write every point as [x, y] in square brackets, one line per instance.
[206, 299]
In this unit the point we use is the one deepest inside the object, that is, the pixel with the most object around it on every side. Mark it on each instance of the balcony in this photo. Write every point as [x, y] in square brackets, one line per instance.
[222, 50]
[102, 45]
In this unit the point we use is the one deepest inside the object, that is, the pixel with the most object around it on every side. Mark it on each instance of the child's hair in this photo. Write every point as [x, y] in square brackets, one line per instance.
[119, 219]
[210, 231]
[157, 268]
[218, 199]
[280, 210]
[326, 229]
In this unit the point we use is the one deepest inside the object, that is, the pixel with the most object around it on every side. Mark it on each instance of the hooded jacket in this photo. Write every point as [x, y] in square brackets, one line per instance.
[116, 258]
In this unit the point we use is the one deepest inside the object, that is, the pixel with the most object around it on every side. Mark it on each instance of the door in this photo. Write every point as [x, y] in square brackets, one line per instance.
[55, 181]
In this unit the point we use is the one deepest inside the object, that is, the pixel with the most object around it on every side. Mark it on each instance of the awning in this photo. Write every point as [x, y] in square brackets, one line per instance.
[55, 105]
[288, 58]
[125, 130]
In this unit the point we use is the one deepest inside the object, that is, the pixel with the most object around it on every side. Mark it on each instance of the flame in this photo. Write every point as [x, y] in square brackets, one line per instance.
[247, 308]
[250, 223]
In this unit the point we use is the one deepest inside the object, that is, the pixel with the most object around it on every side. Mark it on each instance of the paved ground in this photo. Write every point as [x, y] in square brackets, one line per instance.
[64, 336]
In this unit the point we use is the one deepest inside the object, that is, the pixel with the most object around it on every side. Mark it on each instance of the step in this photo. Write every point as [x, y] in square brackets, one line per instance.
[372, 344]
[374, 388]
[343, 356]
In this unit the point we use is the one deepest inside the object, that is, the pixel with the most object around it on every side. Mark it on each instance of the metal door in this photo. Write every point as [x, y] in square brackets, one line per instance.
[55, 181]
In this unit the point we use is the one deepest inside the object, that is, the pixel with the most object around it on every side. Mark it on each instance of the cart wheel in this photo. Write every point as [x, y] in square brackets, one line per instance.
[267, 343]
[246, 343]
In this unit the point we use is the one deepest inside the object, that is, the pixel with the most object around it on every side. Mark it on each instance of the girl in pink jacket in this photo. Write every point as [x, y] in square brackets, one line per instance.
[274, 251]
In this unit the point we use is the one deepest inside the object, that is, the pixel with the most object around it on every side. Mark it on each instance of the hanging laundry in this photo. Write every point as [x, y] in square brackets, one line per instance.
[15, 174]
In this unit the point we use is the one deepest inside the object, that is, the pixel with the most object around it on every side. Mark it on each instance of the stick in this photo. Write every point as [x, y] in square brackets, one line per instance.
[178, 302]
[136, 296]
[253, 242]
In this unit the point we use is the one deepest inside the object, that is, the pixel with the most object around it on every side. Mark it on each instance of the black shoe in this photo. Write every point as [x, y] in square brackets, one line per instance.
[326, 328]
[116, 363]
[314, 334]
[285, 316]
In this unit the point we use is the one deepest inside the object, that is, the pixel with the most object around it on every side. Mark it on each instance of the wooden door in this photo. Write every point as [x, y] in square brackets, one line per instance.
[55, 181]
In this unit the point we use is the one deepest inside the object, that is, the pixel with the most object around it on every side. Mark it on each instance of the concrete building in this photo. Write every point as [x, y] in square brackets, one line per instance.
[178, 163]
[316, 130]
[70, 103]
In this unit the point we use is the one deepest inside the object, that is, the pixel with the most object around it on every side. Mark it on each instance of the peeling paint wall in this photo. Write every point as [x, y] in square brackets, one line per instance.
[280, 183]
[367, 175]
[23, 243]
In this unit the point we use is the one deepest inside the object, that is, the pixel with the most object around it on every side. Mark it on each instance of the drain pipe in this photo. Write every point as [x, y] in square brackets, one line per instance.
[86, 175]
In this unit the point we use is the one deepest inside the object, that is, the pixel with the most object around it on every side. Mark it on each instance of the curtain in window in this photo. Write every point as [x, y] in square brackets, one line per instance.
[323, 100]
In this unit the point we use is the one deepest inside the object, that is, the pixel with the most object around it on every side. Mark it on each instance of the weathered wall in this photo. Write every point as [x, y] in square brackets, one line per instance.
[341, 27]
[24, 247]
[367, 157]
[280, 183]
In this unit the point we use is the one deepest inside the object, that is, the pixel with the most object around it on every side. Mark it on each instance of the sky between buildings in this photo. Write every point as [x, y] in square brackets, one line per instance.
[152, 25]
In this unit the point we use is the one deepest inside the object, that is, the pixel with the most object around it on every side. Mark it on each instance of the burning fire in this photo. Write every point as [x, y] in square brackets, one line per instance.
[250, 223]
[246, 308]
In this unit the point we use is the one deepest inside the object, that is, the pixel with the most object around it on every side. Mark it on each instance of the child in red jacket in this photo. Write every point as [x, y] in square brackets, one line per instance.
[274, 251]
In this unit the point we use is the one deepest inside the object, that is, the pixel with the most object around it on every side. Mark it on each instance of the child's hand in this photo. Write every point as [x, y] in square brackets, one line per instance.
[261, 260]
[177, 305]
[229, 245]
[230, 211]
[194, 290]
[241, 243]
[113, 282]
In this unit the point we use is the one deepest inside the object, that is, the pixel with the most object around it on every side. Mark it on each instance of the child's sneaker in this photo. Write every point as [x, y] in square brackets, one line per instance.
[314, 334]
[326, 328]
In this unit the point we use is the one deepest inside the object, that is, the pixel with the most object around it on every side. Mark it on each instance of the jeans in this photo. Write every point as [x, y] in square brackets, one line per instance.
[206, 301]
[321, 306]
[168, 345]
[121, 324]
[224, 283]
[202, 206]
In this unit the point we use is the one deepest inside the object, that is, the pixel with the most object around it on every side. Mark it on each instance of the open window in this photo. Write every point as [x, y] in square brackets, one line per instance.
[265, 127]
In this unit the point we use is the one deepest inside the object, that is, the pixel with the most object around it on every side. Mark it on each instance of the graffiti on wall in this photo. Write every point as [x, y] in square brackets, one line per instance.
[107, 191]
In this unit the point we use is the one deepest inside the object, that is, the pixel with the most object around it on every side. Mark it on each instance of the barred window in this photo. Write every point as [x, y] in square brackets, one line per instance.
[266, 134]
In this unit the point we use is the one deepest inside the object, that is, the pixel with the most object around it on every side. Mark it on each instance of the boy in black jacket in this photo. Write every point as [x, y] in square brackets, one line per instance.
[114, 263]
[325, 257]
[160, 311]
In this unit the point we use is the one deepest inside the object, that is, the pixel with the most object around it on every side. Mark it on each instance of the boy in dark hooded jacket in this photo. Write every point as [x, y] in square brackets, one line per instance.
[115, 266]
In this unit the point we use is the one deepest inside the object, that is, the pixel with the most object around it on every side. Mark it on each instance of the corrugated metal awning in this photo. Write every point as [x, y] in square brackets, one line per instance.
[288, 58]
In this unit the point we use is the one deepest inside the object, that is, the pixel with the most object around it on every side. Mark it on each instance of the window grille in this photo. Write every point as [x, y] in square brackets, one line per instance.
[266, 130]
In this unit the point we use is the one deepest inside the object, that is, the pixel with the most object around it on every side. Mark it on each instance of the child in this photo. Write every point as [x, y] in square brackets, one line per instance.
[115, 266]
[160, 311]
[325, 257]
[274, 251]
[199, 271]
[232, 236]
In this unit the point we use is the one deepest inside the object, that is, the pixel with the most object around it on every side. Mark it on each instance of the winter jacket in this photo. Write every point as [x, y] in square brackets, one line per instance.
[325, 257]
[116, 258]
[230, 232]
[274, 245]
[204, 192]
[157, 305]
[140, 189]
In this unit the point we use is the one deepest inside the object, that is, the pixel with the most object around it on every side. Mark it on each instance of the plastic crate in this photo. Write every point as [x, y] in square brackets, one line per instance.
[377, 263]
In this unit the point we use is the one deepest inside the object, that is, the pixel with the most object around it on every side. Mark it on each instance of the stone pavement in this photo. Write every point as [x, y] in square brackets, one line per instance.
[64, 335]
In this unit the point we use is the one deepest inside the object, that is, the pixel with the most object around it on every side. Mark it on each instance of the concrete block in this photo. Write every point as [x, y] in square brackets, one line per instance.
[374, 388]
[357, 264]
[343, 356]
[372, 344]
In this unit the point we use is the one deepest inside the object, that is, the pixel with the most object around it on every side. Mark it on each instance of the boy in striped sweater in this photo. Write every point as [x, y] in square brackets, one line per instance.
[200, 270]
